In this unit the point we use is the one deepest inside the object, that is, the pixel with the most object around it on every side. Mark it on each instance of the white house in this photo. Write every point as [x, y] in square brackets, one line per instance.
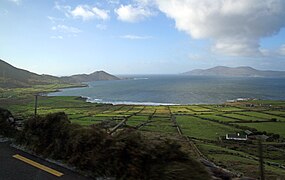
[237, 137]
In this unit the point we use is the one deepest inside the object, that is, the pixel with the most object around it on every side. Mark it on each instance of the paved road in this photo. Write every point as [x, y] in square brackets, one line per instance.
[15, 169]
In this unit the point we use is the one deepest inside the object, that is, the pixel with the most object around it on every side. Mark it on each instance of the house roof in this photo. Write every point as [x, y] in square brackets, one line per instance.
[248, 132]
[236, 136]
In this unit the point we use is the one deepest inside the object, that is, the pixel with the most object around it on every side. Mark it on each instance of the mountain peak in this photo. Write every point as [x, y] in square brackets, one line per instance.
[11, 77]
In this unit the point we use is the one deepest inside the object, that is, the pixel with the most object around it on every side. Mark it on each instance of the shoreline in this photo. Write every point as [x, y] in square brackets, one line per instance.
[99, 101]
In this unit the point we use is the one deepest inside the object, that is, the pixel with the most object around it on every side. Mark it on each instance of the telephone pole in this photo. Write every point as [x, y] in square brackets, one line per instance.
[36, 104]
[261, 167]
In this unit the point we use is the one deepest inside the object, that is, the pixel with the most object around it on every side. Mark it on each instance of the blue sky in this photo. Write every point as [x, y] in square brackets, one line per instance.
[141, 36]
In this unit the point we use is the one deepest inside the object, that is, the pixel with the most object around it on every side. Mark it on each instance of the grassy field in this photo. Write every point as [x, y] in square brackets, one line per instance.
[270, 127]
[207, 125]
[203, 129]
[263, 115]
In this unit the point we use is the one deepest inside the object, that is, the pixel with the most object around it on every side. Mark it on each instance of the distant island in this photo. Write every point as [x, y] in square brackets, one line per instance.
[243, 71]
[12, 77]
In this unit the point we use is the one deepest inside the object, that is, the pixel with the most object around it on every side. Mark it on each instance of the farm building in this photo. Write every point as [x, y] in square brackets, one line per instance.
[237, 137]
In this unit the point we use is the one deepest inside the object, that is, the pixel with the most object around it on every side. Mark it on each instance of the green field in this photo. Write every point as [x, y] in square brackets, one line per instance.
[270, 127]
[207, 125]
[263, 115]
[218, 118]
[243, 117]
[202, 129]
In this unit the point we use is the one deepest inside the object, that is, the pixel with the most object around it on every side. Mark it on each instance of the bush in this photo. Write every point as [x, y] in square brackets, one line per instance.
[6, 123]
[125, 155]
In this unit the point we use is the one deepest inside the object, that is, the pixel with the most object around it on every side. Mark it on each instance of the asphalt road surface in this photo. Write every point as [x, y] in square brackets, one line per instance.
[19, 167]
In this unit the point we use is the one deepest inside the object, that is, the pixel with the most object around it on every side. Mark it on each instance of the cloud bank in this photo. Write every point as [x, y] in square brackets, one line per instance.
[234, 27]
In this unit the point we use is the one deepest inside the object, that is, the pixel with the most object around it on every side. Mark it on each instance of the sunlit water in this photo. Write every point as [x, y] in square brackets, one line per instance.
[174, 89]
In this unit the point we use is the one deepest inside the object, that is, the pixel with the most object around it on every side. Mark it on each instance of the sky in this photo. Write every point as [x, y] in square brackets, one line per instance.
[61, 37]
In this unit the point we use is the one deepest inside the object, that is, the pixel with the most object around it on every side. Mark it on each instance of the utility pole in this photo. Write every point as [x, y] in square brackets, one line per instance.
[261, 167]
[36, 104]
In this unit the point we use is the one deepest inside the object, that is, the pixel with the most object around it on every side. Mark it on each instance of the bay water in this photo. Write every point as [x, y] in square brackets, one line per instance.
[178, 89]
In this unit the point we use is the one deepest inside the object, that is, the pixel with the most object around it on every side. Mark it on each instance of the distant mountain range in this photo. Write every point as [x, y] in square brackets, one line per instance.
[243, 71]
[11, 77]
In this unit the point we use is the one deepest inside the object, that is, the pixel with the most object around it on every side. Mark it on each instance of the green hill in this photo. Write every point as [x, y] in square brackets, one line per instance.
[96, 76]
[12, 77]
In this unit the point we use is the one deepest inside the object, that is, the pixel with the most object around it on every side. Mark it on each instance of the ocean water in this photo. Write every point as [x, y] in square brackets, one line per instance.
[176, 89]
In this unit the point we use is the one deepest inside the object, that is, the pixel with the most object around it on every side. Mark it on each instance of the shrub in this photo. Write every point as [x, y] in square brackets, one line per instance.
[125, 155]
[6, 123]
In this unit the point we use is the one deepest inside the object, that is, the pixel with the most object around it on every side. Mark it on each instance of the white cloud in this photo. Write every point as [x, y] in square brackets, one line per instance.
[86, 13]
[131, 13]
[100, 13]
[135, 37]
[83, 12]
[234, 27]
[66, 29]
